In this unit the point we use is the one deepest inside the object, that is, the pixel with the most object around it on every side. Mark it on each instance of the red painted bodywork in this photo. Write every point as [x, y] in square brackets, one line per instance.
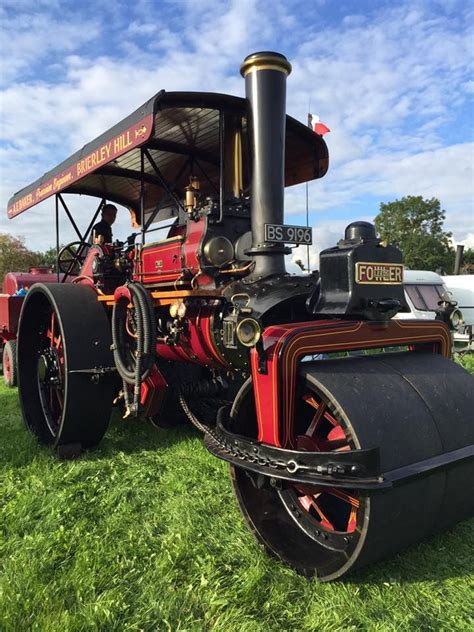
[152, 392]
[10, 305]
[192, 248]
[197, 344]
[162, 262]
[14, 281]
[285, 345]
[175, 259]
[86, 270]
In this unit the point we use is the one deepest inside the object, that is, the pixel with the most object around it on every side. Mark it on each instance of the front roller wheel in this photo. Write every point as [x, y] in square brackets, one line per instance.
[412, 406]
[63, 343]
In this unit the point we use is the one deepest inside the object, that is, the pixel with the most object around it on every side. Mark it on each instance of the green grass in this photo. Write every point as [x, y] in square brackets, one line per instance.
[144, 534]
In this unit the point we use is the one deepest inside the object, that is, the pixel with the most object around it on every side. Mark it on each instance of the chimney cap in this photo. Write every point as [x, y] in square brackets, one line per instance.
[265, 60]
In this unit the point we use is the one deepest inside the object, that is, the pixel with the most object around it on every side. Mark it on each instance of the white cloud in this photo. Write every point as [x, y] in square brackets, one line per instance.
[390, 85]
[325, 235]
[468, 242]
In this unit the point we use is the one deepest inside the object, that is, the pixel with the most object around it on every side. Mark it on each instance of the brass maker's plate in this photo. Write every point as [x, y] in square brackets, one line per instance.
[367, 272]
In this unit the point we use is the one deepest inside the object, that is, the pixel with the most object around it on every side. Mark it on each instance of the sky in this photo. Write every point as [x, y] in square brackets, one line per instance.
[392, 80]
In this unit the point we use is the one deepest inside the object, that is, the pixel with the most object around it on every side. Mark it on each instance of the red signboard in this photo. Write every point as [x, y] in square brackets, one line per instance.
[117, 146]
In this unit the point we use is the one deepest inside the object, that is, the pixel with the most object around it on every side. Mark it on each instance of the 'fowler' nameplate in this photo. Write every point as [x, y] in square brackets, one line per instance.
[379, 273]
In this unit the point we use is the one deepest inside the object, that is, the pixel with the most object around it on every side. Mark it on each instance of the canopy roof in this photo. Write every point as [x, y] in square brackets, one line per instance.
[180, 131]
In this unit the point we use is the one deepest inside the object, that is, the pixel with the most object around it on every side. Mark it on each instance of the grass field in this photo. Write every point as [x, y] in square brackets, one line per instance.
[144, 534]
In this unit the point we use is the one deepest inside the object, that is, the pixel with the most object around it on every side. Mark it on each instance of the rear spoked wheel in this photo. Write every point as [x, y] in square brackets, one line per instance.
[65, 366]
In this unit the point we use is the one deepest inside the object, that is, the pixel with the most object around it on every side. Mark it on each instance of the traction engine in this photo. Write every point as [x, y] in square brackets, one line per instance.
[349, 434]
[14, 288]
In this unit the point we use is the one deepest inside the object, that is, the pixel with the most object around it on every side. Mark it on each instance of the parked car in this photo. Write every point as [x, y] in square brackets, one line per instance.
[461, 288]
[428, 298]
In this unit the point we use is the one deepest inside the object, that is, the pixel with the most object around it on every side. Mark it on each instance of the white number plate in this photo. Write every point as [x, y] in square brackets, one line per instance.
[301, 235]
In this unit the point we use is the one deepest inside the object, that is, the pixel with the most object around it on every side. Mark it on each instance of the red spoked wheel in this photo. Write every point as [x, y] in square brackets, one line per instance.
[329, 508]
[332, 517]
[316, 529]
[51, 375]
[9, 363]
[65, 366]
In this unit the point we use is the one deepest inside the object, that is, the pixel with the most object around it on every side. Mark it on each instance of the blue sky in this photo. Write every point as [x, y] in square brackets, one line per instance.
[393, 81]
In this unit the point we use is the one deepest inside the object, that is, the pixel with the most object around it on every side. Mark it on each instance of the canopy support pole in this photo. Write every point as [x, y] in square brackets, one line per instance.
[89, 228]
[164, 184]
[157, 207]
[57, 235]
[142, 195]
[73, 223]
[221, 165]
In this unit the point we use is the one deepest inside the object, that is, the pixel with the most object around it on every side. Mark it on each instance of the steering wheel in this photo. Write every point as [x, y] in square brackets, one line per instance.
[72, 256]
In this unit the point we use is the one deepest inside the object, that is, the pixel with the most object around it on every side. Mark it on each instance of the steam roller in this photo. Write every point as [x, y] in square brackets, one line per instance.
[348, 432]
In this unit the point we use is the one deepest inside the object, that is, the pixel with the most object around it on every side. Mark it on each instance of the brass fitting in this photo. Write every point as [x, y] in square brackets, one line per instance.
[265, 60]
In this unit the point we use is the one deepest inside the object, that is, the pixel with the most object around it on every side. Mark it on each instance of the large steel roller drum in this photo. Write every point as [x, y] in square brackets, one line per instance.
[412, 406]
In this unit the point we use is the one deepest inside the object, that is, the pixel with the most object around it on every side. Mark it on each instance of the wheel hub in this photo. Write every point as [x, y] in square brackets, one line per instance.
[48, 367]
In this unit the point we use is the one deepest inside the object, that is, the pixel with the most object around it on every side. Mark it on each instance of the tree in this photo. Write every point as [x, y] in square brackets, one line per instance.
[48, 257]
[15, 256]
[300, 264]
[467, 266]
[415, 226]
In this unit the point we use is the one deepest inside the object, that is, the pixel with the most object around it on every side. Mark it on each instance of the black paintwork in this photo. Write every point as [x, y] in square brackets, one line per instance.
[266, 96]
[339, 295]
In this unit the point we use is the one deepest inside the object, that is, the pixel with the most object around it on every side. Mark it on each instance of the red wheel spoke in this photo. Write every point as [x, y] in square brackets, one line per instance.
[352, 522]
[345, 448]
[325, 522]
[309, 399]
[332, 508]
[59, 396]
[340, 493]
[331, 419]
[316, 419]
[311, 502]
[306, 501]
[326, 445]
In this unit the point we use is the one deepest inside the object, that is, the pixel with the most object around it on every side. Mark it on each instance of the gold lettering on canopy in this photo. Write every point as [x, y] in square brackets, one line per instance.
[132, 137]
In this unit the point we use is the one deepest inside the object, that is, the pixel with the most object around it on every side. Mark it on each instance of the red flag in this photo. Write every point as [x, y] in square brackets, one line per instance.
[316, 125]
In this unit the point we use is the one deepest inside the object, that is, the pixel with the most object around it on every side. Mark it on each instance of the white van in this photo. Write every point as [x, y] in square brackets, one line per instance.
[425, 292]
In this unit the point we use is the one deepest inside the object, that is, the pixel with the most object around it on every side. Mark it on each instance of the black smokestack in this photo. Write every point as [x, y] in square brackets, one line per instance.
[265, 88]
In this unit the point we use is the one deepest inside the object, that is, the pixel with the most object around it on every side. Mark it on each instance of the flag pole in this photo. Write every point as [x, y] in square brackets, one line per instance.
[307, 195]
[307, 225]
